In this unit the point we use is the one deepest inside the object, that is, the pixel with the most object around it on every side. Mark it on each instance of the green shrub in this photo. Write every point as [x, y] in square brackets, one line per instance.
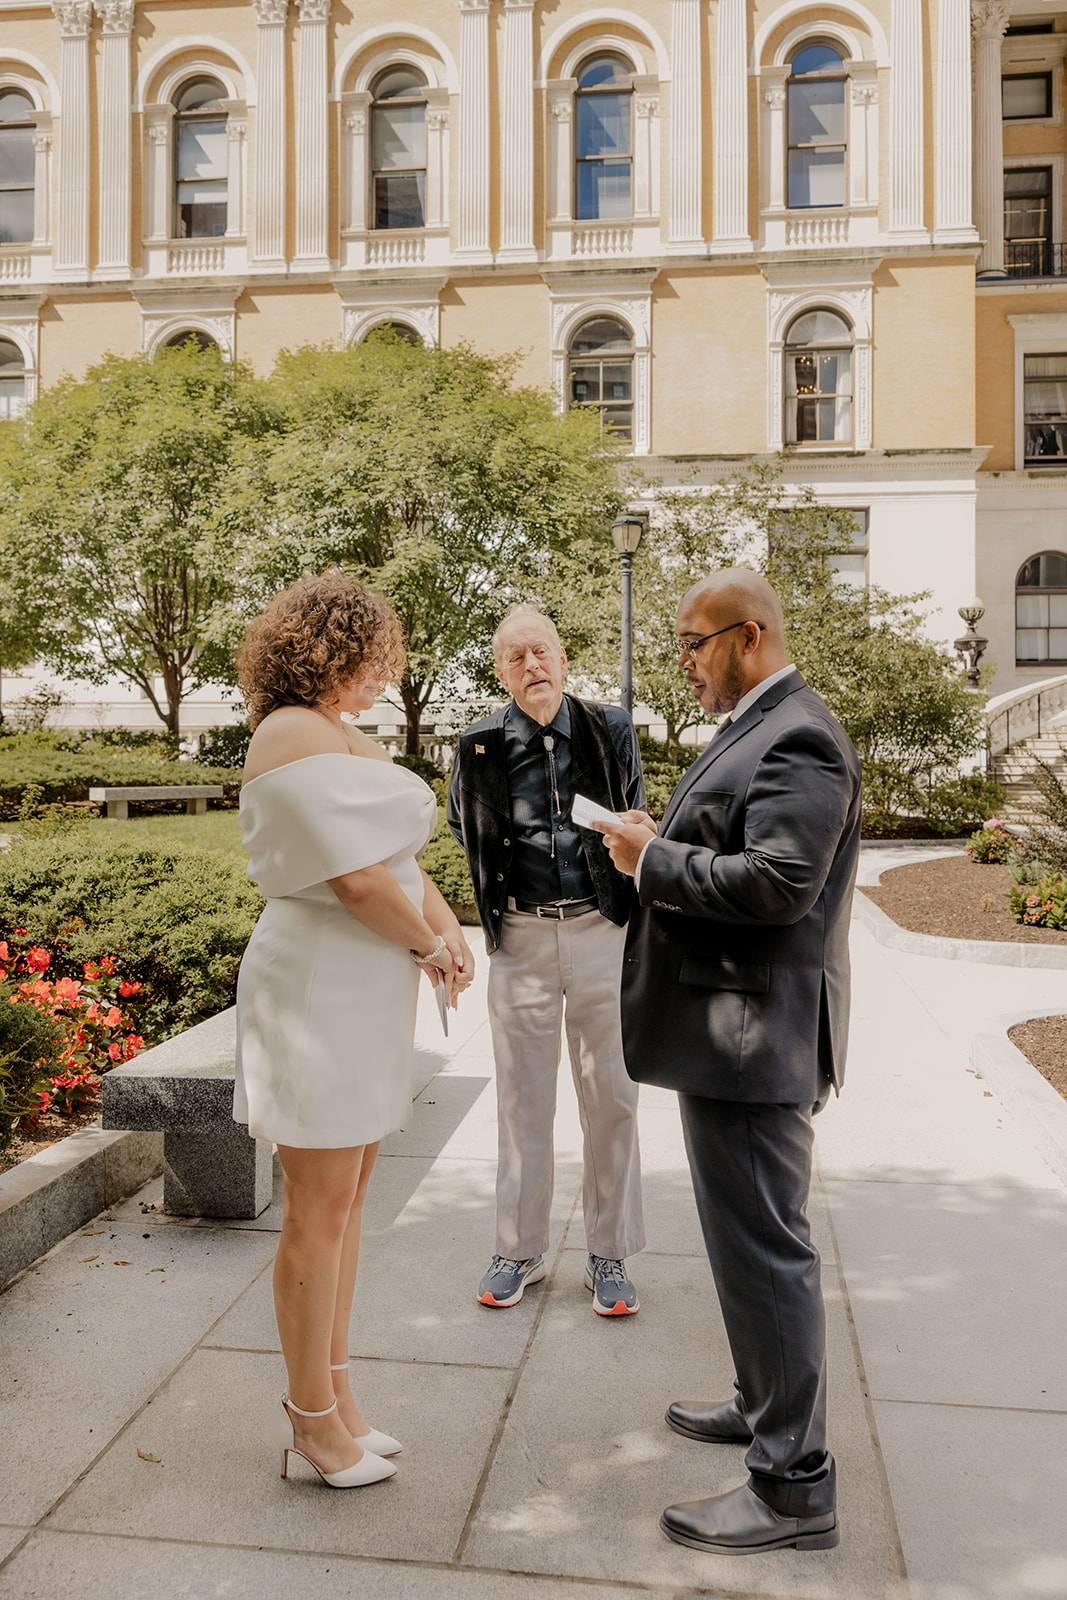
[661, 773]
[30, 1039]
[176, 921]
[1045, 841]
[445, 863]
[65, 775]
[952, 807]
[224, 747]
[427, 770]
[1042, 904]
[992, 845]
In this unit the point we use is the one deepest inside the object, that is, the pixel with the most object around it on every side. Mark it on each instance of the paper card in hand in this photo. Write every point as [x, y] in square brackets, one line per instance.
[585, 812]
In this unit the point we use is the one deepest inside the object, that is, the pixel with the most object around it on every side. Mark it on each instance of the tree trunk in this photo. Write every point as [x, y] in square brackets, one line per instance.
[414, 697]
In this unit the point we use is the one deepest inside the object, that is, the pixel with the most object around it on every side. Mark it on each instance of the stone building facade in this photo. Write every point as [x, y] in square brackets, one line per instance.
[732, 226]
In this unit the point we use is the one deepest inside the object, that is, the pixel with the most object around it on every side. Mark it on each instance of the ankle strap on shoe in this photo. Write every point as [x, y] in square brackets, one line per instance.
[302, 1413]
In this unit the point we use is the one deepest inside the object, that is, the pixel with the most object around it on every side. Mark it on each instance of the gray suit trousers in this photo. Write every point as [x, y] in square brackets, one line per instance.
[544, 975]
[751, 1167]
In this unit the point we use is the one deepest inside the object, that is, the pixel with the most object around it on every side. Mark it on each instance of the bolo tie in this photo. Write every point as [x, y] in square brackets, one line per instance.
[550, 747]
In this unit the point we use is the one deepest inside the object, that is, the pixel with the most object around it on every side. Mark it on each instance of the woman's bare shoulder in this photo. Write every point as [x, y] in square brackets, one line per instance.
[290, 734]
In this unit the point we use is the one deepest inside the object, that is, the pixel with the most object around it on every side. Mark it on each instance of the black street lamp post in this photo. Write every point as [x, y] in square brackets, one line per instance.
[627, 532]
[970, 646]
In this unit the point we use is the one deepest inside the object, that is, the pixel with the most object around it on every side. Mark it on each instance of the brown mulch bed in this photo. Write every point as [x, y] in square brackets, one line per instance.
[956, 898]
[1043, 1042]
[50, 1129]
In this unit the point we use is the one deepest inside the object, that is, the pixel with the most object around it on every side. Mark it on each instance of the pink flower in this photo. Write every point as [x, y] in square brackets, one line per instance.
[112, 1018]
[3, 951]
[37, 960]
[127, 987]
[115, 1051]
[67, 989]
[992, 823]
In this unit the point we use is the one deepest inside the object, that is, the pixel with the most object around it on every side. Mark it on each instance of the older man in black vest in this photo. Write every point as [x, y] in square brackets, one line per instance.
[554, 912]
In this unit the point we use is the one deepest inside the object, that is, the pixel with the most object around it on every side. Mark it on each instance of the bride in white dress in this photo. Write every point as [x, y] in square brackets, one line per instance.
[328, 984]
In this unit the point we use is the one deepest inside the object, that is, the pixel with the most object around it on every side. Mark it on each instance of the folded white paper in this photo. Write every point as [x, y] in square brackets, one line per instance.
[585, 812]
[439, 991]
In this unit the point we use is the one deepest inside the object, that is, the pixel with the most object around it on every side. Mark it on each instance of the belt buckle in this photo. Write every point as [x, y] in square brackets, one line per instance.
[551, 913]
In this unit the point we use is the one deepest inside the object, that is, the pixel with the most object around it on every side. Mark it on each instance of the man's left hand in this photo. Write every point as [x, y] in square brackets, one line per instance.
[625, 841]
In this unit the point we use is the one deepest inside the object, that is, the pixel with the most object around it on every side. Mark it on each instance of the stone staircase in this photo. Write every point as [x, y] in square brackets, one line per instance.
[1012, 769]
[1025, 724]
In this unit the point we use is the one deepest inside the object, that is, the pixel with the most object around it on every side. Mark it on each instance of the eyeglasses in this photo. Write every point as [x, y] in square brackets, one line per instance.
[689, 647]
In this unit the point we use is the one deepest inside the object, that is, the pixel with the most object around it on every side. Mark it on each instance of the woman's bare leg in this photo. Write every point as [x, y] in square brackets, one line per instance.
[320, 1191]
[348, 1410]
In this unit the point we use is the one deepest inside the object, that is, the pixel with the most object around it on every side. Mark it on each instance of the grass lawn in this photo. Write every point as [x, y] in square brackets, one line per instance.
[215, 830]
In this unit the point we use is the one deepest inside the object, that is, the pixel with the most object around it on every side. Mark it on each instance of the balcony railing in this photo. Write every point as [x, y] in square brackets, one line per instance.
[1033, 258]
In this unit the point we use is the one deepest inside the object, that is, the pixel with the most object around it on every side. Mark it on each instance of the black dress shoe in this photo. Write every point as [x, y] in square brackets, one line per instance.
[740, 1523]
[721, 1424]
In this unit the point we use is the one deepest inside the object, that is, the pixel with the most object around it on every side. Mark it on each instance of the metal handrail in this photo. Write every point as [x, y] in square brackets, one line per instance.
[1026, 707]
[1034, 258]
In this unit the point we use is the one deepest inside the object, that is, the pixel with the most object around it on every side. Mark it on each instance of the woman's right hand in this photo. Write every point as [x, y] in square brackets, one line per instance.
[442, 969]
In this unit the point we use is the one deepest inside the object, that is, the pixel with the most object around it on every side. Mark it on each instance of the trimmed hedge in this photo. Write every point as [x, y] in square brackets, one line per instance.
[67, 775]
[444, 862]
[176, 921]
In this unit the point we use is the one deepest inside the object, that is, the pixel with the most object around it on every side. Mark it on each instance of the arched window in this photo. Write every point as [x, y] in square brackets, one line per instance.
[200, 159]
[12, 381]
[603, 178]
[1041, 609]
[816, 127]
[196, 336]
[399, 331]
[601, 370]
[16, 167]
[398, 148]
[818, 379]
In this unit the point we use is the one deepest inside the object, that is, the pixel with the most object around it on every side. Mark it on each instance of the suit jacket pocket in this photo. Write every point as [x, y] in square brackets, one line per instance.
[715, 972]
[712, 797]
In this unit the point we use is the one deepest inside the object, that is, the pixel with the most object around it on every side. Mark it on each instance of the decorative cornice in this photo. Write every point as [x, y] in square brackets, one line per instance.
[116, 15]
[314, 10]
[75, 18]
[268, 11]
[989, 19]
[474, 5]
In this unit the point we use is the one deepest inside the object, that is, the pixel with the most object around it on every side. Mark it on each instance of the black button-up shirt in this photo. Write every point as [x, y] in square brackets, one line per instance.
[549, 859]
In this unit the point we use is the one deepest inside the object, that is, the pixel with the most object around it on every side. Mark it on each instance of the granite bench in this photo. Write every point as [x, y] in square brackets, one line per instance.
[212, 1167]
[117, 797]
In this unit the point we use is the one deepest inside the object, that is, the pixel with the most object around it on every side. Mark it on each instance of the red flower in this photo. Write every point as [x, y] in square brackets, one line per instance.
[3, 951]
[90, 971]
[112, 1018]
[37, 960]
[134, 1042]
[20, 933]
[126, 988]
[67, 989]
[115, 1051]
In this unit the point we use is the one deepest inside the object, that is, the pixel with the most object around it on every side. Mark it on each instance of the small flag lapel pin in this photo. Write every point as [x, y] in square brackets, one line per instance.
[479, 749]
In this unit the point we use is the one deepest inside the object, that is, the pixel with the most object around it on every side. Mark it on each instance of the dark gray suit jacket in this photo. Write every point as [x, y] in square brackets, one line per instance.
[736, 975]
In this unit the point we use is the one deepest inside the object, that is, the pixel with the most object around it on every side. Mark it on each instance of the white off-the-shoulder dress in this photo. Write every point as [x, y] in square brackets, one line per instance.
[325, 1007]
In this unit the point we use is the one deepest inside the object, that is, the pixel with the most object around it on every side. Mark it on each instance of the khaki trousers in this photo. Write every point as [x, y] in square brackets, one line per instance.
[542, 974]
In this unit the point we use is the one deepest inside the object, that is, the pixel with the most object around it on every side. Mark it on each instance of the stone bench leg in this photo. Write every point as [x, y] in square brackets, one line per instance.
[119, 809]
[224, 1174]
[196, 808]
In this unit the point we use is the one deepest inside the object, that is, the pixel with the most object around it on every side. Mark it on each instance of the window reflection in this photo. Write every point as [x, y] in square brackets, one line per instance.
[601, 374]
[16, 167]
[603, 140]
[398, 148]
[816, 128]
[818, 380]
[200, 159]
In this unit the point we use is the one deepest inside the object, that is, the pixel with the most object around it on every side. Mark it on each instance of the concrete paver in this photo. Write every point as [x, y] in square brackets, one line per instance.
[536, 1460]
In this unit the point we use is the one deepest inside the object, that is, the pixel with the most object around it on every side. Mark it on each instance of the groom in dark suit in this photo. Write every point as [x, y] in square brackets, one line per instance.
[735, 993]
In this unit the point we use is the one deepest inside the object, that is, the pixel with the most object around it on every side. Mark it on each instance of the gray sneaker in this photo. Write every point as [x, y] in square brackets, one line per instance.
[613, 1293]
[504, 1282]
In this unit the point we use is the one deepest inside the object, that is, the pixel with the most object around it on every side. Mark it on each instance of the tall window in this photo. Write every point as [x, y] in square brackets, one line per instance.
[1028, 221]
[851, 564]
[1045, 410]
[16, 167]
[398, 148]
[12, 381]
[200, 159]
[816, 121]
[602, 374]
[818, 379]
[603, 179]
[1041, 609]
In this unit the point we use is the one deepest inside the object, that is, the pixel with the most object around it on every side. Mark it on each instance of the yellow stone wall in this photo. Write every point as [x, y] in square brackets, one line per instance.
[77, 330]
[924, 354]
[709, 364]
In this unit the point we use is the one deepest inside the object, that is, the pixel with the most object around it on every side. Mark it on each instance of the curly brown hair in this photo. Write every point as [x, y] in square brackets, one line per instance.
[314, 637]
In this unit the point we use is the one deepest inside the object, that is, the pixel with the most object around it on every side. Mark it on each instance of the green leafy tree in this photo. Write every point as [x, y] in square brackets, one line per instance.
[434, 478]
[111, 541]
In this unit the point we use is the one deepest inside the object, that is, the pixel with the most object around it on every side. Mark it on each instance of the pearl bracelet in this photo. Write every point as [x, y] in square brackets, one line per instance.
[424, 961]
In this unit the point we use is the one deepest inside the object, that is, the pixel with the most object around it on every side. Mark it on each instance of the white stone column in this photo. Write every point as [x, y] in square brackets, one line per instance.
[559, 183]
[989, 19]
[158, 154]
[646, 148]
[42, 180]
[517, 134]
[355, 117]
[906, 122]
[472, 231]
[953, 208]
[729, 150]
[863, 136]
[685, 231]
[437, 117]
[312, 153]
[269, 249]
[772, 144]
[71, 255]
[113, 121]
[236, 153]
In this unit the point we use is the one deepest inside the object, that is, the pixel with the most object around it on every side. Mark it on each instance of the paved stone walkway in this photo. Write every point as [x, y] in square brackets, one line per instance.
[139, 1361]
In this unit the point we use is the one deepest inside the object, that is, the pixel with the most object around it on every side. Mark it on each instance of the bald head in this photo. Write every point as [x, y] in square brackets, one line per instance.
[744, 614]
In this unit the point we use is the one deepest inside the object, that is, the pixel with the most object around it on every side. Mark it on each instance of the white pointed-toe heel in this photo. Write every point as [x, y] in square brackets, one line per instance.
[382, 1444]
[370, 1468]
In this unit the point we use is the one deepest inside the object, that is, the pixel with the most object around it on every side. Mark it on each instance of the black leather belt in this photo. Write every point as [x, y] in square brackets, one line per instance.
[559, 912]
